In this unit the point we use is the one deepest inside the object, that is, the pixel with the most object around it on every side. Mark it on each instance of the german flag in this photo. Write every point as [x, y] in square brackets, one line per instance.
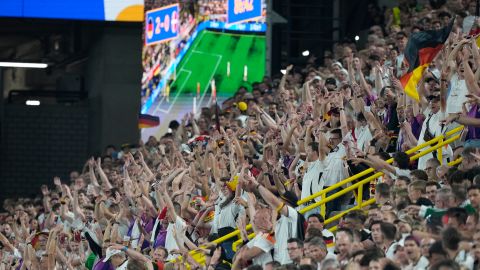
[422, 47]
[475, 32]
[148, 121]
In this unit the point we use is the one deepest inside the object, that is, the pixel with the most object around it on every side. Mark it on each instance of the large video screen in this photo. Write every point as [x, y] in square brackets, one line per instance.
[201, 39]
[103, 10]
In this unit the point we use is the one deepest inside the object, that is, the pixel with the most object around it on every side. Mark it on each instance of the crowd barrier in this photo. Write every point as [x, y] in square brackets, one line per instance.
[353, 185]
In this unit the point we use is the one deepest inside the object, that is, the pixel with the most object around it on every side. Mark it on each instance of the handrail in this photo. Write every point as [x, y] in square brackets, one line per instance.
[371, 201]
[378, 174]
[370, 170]
[358, 185]
[362, 204]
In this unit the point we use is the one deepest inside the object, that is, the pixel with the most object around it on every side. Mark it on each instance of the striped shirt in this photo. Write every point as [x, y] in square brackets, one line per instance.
[226, 216]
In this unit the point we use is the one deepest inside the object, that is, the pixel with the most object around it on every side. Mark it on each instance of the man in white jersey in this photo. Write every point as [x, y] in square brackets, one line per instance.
[286, 225]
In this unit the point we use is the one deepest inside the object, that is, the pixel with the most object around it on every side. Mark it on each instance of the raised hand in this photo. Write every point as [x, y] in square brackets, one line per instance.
[140, 156]
[56, 181]
[289, 68]
[45, 191]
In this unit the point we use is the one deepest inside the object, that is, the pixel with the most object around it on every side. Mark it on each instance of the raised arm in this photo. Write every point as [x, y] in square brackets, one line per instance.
[464, 120]
[146, 169]
[106, 184]
[52, 246]
[268, 196]
[343, 118]
[169, 203]
[380, 164]
[283, 81]
[472, 84]
[91, 172]
[135, 255]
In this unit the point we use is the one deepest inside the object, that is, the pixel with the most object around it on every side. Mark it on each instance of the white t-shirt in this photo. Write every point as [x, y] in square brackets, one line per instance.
[225, 217]
[420, 265]
[266, 246]
[334, 170]
[435, 129]
[390, 253]
[456, 97]
[464, 259]
[364, 136]
[311, 183]
[170, 243]
[123, 266]
[399, 62]
[327, 235]
[400, 172]
[285, 228]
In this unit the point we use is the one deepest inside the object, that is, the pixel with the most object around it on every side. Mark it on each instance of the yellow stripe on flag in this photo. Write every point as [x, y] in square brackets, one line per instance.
[478, 41]
[411, 86]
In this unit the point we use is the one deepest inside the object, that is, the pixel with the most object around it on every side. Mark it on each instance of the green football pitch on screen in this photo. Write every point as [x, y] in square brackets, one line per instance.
[209, 57]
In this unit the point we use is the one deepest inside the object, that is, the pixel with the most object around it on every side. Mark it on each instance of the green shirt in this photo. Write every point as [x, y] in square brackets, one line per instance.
[90, 261]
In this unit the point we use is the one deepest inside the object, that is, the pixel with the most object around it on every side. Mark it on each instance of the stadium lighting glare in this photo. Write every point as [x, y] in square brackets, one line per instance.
[357, 38]
[306, 53]
[32, 102]
[23, 65]
[283, 71]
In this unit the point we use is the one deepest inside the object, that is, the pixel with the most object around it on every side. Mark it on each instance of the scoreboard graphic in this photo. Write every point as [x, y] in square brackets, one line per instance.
[161, 24]
[243, 10]
[103, 10]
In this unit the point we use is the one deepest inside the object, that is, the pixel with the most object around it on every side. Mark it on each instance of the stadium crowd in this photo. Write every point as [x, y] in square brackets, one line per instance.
[251, 159]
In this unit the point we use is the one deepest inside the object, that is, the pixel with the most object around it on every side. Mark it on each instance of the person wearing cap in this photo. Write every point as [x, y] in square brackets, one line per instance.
[431, 128]
[415, 258]
[226, 211]
[330, 84]
[117, 256]
[337, 69]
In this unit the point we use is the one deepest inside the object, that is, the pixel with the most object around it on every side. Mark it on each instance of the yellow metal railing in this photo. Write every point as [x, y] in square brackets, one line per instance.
[440, 141]
[369, 202]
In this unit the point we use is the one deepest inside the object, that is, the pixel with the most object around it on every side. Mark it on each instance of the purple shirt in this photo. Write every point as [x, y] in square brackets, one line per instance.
[416, 123]
[100, 265]
[473, 132]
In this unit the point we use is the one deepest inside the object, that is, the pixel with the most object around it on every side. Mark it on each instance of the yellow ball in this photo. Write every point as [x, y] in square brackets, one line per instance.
[242, 106]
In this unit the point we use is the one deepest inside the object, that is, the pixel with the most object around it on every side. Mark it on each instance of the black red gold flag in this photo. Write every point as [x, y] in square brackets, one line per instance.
[421, 49]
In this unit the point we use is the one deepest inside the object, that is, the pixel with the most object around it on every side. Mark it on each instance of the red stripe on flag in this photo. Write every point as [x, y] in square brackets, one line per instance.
[405, 78]
[427, 55]
[148, 122]
[410, 81]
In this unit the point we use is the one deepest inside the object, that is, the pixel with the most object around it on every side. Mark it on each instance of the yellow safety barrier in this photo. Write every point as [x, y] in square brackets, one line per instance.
[440, 142]
[370, 170]
[369, 202]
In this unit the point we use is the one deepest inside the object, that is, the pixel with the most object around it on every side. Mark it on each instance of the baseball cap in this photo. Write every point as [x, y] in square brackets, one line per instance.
[111, 252]
[331, 81]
